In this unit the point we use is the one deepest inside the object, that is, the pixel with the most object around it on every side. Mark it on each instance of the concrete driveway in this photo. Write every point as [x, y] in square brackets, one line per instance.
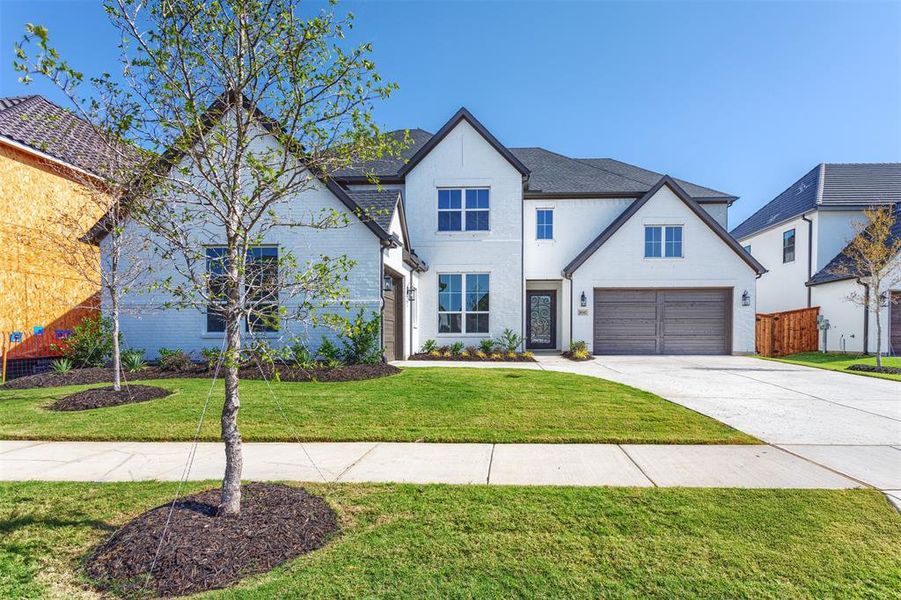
[848, 423]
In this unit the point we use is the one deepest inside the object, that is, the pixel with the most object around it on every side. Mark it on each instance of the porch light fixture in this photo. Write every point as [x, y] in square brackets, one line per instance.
[746, 298]
[583, 300]
[411, 294]
[388, 283]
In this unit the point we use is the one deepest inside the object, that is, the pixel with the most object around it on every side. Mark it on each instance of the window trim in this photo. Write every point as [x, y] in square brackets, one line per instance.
[462, 312]
[539, 225]
[664, 239]
[794, 245]
[463, 210]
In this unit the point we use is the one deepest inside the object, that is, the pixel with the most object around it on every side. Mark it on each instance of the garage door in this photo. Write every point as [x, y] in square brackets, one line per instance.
[653, 321]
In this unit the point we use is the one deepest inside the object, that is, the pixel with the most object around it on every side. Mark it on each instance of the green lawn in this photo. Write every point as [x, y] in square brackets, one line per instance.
[428, 404]
[503, 542]
[840, 362]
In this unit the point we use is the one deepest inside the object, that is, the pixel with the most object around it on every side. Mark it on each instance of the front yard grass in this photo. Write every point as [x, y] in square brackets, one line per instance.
[406, 541]
[422, 404]
[840, 362]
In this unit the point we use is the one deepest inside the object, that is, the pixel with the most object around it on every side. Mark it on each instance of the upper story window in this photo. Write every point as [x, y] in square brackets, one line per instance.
[463, 301]
[788, 246]
[545, 224]
[463, 209]
[663, 241]
[260, 286]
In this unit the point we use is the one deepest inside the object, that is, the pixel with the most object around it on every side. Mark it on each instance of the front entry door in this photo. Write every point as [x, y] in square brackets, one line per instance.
[541, 319]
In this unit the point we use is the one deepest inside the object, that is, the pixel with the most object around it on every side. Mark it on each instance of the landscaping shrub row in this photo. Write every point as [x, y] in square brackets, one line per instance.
[502, 349]
[874, 369]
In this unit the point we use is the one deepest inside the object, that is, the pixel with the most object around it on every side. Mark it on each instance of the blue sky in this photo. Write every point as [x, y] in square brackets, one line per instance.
[742, 97]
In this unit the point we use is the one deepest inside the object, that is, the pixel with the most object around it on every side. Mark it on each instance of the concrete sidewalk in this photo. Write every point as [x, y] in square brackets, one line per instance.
[759, 466]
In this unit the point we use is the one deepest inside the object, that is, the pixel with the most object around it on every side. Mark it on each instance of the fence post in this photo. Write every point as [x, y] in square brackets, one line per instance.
[5, 350]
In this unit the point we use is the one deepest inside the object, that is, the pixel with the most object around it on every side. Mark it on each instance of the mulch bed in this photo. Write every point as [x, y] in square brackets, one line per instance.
[570, 356]
[107, 396]
[202, 551]
[875, 369]
[425, 356]
[286, 373]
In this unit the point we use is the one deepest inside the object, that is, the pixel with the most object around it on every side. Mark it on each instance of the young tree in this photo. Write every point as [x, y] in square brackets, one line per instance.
[248, 104]
[873, 256]
[72, 232]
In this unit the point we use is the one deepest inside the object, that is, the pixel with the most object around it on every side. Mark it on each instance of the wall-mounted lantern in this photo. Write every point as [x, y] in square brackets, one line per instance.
[583, 300]
[388, 283]
[411, 294]
[746, 298]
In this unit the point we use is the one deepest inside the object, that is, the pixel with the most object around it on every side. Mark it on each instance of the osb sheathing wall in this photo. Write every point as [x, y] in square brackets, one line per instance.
[38, 284]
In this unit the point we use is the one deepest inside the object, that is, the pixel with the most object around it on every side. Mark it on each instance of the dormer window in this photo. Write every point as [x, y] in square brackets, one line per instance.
[463, 209]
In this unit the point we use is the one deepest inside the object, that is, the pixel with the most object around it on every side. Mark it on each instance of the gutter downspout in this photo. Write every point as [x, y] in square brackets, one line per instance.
[866, 317]
[809, 256]
[382, 299]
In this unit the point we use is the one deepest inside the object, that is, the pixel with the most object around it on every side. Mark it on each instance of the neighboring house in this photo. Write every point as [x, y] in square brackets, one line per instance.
[799, 237]
[552, 247]
[45, 151]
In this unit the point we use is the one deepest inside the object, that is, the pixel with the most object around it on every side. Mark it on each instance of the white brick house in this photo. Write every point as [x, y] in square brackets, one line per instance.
[555, 248]
[799, 237]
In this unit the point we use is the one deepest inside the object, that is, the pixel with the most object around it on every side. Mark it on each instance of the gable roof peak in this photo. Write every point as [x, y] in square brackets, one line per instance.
[461, 115]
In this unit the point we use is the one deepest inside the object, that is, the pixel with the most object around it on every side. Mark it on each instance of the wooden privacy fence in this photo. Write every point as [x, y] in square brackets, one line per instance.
[788, 332]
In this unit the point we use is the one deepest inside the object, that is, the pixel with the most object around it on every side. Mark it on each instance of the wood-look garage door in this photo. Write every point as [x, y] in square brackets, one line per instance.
[654, 321]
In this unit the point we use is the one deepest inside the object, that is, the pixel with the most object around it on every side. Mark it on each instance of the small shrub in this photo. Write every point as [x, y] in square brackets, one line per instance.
[428, 346]
[496, 356]
[174, 360]
[435, 354]
[580, 354]
[362, 344]
[302, 356]
[456, 348]
[90, 344]
[61, 365]
[486, 345]
[133, 360]
[211, 356]
[578, 346]
[528, 355]
[328, 350]
[465, 354]
[481, 355]
[333, 363]
[471, 350]
[511, 355]
[509, 340]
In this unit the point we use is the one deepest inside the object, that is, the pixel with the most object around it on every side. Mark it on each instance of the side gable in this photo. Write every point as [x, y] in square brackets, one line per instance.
[627, 214]
[463, 115]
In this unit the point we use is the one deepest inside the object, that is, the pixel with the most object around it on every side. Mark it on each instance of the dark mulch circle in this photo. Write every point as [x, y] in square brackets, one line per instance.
[107, 396]
[202, 551]
[286, 373]
[875, 369]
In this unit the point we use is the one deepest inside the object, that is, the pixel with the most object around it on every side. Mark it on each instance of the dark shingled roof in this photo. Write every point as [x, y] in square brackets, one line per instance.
[829, 185]
[650, 178]
[389, 167]
[378, 204]
[839, 268]
[551, 172]
[42, 125]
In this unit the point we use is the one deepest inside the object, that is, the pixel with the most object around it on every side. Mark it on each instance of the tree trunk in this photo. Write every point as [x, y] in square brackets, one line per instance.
[117, 356]
[230, 502]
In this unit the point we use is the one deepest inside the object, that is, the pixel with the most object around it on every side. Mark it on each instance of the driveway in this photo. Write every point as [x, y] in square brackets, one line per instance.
[848, 423]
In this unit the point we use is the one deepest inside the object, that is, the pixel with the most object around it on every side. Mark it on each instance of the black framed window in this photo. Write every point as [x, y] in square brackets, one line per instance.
[260, 284]
[788, 246]
[463, 302]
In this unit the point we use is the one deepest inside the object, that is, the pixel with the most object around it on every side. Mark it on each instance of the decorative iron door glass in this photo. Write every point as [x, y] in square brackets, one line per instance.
[542, 319]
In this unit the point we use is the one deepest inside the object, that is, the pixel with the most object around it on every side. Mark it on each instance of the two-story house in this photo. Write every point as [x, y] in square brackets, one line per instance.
[552, 247]
[799, 237]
